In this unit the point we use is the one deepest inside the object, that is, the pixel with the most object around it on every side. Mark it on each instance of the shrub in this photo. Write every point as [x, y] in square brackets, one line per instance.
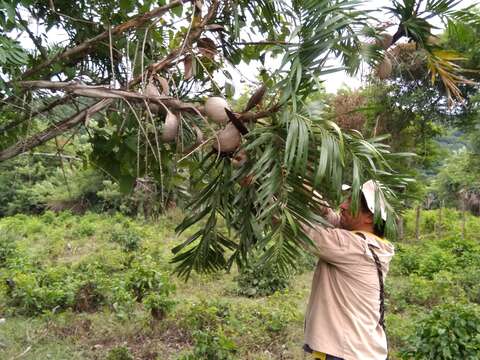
[127, 238]
[260, 280]
[211, 346]
[417, 290]
[207, 315]
[406, 260]
[144, 278]
[449, 332]
[119, 353]
[159, 305]
[467, 278]
[435, 260]
[36, 292]
[7, 246]
[88, 298]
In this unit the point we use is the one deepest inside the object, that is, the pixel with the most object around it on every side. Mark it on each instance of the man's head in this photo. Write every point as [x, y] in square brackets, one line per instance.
[363, 220]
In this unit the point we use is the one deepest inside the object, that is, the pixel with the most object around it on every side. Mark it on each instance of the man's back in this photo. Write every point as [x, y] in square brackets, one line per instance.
[343, 313]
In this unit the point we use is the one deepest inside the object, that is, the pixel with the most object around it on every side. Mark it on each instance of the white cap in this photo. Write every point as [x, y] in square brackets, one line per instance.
[369, 189]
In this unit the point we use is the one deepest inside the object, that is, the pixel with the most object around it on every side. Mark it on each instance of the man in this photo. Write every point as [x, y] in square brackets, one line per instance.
[344, 318]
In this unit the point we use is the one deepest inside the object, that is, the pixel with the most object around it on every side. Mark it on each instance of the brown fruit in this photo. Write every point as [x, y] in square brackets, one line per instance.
[207, 47]
[227, 140]
[256, 97]
[170, 129]
[164, 85]
[246, 181]
[151, 90]
[384, 69]
[239, 159]
[384, 41]
[188, 65]
[215, 109]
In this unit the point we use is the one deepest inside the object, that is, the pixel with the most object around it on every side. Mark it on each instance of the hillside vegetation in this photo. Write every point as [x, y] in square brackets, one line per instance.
[100, 287]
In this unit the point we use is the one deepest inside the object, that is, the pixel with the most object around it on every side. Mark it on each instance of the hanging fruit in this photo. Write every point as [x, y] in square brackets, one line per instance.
[384, 69]
[215, 109]
[384, 40]
[256, 98]
[227, 140]
[170, 129]
[152, 91]
[239, 159]
[207, 47]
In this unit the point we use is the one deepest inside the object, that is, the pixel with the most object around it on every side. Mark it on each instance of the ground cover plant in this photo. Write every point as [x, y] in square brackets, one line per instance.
[75, 287]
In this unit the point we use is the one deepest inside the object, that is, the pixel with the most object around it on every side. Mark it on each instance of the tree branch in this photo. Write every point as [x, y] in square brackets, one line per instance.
[79, 117]
[87, 45]
[104, 92]
[34, 39]
[54, 130]
[34, 113]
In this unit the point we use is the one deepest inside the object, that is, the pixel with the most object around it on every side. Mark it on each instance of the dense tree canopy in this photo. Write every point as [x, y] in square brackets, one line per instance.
[134, 76]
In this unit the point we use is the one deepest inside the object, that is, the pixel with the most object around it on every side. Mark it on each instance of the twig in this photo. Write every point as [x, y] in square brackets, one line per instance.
[52, 131]
[67, 124]
[40, 111]
[87, 46]
[23, 353]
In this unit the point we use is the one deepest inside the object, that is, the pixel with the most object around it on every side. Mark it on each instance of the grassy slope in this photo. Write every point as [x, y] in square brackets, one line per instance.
[262, 328]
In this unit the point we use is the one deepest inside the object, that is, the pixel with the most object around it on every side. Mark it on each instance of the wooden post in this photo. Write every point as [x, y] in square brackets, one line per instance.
[439, 225]
[417, 224]
[400, 228]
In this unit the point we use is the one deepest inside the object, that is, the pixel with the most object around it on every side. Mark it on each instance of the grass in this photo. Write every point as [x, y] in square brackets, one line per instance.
[260, 328]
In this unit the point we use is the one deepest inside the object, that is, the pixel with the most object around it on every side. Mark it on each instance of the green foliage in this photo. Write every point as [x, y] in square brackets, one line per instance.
[144, 278]
[259, 279]
[207, 315]
[119, 353]
[32, 287]
[159, 304]
[127, 238]
[211, 346]
[449, 332]
[459, 172]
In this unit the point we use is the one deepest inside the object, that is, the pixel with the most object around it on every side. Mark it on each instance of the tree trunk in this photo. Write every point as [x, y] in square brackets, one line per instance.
[417, 223]
[400, 227]
[439, 224]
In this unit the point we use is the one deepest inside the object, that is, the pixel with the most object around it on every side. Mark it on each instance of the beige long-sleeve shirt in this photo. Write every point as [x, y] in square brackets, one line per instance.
[342, 317]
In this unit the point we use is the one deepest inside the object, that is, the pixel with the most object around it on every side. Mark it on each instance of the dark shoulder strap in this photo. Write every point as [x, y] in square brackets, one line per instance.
[378, 265]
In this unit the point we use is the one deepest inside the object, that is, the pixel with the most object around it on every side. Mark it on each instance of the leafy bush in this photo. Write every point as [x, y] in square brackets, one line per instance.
[406, 260]
[468, 280]
[421, 291]
[36, 292]
[434, 261]
[119, 353]
[128, 238]
[7, 246]
[207, 315]
[450, 332]
[144, 278]
[260, 280]
[211, 346]
[159, 305]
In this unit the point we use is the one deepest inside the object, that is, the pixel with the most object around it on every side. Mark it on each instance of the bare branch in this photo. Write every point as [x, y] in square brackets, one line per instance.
[107, 93]
[34, 113]
[87, 46]
[36, 41]
[78, 118]
[52, 131]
